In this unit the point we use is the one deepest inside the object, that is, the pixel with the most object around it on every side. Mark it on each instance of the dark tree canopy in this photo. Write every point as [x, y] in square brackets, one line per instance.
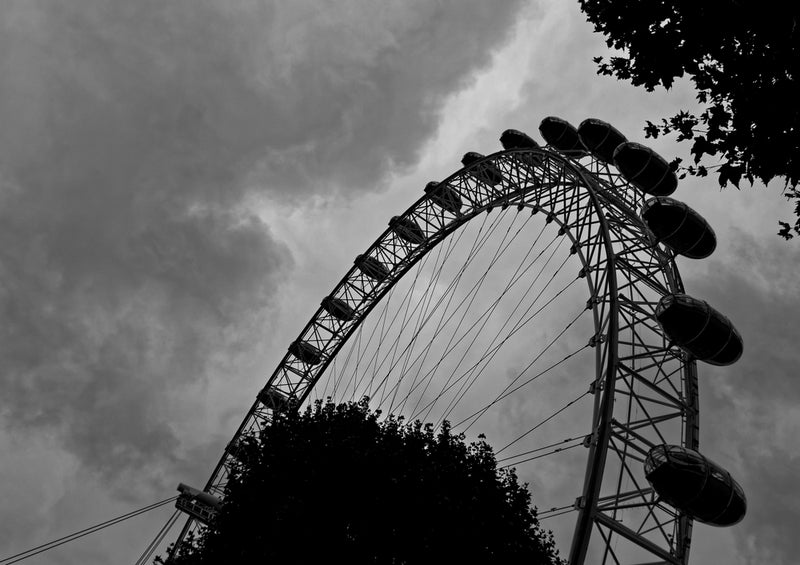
[744, 60]
[336, 484]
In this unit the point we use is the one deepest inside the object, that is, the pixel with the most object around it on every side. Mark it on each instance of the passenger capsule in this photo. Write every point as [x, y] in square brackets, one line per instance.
[645, 169]
[444, 196]
[601, 138]
[485, 172]
[338, 308]
[679, 227]
[274, 399]
[515, 139]
[562, 135]
[200, 505]
[695, 485]
[407, 230]
[305, 352]
[371, 267]
[699, 329]
[199, 495]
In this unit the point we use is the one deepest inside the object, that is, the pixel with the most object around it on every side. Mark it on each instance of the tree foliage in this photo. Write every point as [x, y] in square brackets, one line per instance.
[744, 60]
[335, 483]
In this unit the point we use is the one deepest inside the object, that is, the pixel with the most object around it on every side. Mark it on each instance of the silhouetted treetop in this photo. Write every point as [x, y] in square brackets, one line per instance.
[744, 60]
[335, 483]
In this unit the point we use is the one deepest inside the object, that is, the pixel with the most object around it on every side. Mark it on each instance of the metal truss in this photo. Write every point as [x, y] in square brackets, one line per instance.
[644, 389]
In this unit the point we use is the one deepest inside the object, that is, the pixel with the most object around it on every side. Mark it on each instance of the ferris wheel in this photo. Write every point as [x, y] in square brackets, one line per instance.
[534, 295]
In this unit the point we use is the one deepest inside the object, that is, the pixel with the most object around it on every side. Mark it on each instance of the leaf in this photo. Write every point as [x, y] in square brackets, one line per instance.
[730, 173]
[718, 117]
[722, 176]
[742, 68]
[785, 231]
[651, 130]
[699, 148]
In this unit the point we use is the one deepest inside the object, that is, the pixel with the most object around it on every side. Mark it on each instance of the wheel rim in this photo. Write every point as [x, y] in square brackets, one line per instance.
[644, 391]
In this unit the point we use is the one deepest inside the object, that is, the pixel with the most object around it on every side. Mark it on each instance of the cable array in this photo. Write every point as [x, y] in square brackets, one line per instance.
[16, 558]
[147, 554]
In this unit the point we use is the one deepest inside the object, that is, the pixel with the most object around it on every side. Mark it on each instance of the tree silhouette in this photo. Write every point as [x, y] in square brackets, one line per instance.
[336, 484]
[744, 61]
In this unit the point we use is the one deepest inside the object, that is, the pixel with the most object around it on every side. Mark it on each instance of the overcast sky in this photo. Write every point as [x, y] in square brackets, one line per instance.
[180, 183]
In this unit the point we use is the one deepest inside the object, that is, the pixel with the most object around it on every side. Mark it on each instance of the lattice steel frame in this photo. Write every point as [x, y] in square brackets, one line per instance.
[645, 389]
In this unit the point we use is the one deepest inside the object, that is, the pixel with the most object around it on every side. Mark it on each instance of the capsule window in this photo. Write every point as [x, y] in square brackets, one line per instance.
[714, 498]
[719, 475]
[664, 221]
[704, 247]
[653, 175]
[683, 322]
[731, 352]
[737, 507]
[689, 462]
[713, 339]
[656, 458]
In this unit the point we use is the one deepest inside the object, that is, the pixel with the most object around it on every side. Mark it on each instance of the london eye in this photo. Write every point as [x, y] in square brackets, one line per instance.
[534, 295]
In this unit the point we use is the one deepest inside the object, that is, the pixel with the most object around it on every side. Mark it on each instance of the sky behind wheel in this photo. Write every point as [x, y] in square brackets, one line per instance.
[180, 186]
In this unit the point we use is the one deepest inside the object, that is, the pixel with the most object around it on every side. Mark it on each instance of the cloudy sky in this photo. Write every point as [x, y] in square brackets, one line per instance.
[180, 182]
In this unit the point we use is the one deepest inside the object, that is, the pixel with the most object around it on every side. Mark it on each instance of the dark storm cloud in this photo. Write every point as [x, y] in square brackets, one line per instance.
[749, 410]
[132, 134]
